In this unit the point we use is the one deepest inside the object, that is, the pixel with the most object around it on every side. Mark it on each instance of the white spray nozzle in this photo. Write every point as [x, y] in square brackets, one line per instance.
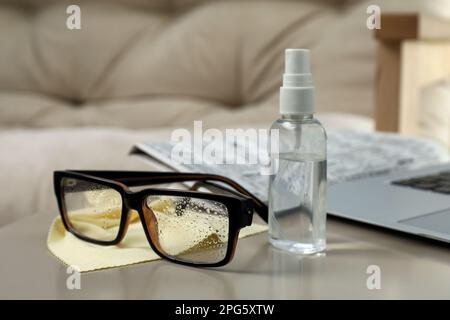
[297, 92]
[297, 69]
[297, 61]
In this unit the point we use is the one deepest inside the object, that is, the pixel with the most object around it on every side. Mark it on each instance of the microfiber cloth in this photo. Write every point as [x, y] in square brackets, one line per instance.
[134, 248]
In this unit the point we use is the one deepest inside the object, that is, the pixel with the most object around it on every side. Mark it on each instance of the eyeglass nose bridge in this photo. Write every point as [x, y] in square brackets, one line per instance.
[131, 201]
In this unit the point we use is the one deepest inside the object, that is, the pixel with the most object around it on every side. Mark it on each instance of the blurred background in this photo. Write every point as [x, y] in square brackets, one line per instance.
[79, 98]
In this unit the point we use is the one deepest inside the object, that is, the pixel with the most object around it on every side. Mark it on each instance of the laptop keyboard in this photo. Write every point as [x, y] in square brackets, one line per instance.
[437, 182]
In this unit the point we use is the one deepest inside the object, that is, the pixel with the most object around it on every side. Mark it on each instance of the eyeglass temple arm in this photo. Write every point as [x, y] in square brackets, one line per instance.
[137, 178]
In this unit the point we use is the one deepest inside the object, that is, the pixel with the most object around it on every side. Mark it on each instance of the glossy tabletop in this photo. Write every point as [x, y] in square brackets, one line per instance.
[409, 268]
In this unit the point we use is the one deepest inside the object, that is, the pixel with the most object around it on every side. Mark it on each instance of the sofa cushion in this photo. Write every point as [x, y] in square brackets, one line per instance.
[220, 50]
[226, 53]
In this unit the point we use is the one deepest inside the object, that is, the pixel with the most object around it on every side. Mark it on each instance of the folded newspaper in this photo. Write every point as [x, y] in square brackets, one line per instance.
[351, 155]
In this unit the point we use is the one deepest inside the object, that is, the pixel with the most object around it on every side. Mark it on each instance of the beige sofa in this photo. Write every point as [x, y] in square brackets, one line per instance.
[136, 69]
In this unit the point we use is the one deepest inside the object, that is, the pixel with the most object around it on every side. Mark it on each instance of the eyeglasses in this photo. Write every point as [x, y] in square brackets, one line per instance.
[187, 227]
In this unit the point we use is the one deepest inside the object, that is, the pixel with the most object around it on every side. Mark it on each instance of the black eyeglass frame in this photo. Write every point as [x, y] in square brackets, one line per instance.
[239, 202]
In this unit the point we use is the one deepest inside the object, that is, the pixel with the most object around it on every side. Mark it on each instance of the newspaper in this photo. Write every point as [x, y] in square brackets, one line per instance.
[350, 155]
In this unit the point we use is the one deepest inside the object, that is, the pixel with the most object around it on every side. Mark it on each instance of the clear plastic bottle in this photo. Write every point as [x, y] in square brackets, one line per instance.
[297, 190]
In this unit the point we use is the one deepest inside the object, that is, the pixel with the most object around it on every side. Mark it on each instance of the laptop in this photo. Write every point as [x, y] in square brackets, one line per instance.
[416, 202]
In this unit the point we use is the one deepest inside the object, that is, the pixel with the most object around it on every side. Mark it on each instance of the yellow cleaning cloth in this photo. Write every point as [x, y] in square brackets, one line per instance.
[134, 248]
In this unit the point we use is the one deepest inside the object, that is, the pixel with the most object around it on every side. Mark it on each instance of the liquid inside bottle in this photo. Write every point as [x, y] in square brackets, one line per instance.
[297, 208]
